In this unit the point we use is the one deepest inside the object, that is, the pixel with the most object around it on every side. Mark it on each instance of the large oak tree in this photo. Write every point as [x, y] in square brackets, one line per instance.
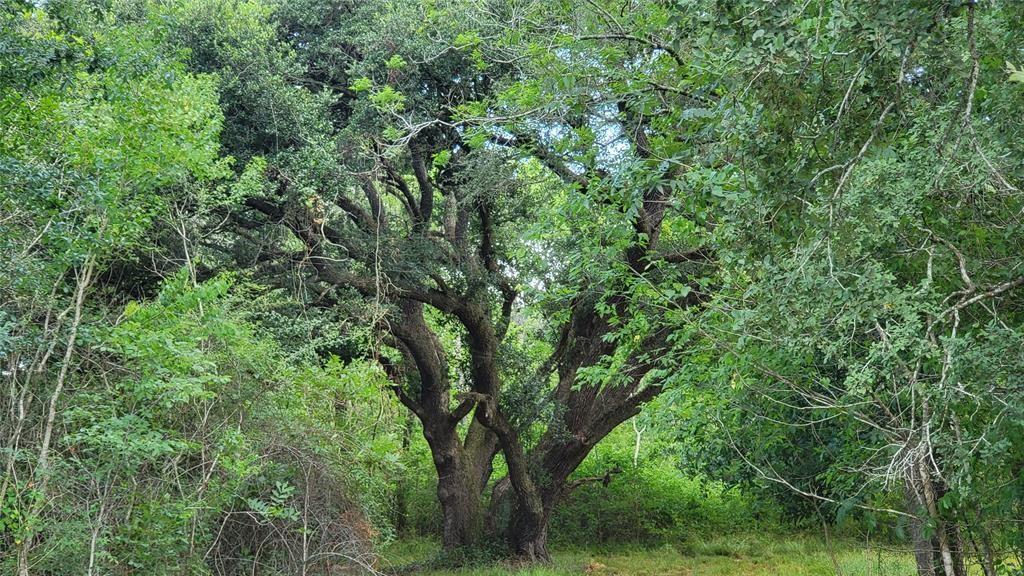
[407, 163]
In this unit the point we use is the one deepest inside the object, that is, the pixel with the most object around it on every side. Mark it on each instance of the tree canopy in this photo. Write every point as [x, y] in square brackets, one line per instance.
[249, 247]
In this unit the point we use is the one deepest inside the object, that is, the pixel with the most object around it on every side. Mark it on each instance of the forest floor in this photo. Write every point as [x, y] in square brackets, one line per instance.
[737, 555]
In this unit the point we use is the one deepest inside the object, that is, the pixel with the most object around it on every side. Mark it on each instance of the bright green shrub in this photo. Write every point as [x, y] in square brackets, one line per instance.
[192, 447]
[648, 503]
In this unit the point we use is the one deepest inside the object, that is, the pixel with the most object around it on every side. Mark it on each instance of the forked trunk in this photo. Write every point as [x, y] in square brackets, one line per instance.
[462, 469]
[527, 534]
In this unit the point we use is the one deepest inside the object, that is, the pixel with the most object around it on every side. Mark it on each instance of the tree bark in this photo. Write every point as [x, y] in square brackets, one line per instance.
[528, 525]
[462, 468]
[948, 536]
[924, 547]
[528, 537]
[458, 489]
[558, 454]
[941, 554]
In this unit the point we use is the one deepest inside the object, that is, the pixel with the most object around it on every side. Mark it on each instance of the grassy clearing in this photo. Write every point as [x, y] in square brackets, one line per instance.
[739, 555]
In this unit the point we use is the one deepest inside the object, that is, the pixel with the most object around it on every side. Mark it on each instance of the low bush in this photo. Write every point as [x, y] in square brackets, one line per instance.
[650, 503]
[649, 500]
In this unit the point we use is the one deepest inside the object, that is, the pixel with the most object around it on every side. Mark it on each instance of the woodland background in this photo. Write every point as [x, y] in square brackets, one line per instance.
[330, 286]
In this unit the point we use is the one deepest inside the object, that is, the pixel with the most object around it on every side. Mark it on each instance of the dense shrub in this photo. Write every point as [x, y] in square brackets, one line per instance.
[649, 502]
[198, 450]
[417, 511]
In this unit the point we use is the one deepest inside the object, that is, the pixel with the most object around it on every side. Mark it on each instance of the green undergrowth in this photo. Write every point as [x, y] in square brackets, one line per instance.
[736, 555]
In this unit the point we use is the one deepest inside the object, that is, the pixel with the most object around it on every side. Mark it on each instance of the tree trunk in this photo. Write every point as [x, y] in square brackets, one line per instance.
[462, 469]
[461, 511]
[942, 554]
[948, 536]
[555, 461]
[528, 537]
[458, 490]
[925, 548]
[955, 540]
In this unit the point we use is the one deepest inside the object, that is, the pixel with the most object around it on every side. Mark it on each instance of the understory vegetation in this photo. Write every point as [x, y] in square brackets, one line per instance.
[320, 287]
[748, 555]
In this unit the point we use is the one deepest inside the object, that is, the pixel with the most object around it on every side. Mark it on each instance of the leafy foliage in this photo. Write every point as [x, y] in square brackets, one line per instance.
[279, 280]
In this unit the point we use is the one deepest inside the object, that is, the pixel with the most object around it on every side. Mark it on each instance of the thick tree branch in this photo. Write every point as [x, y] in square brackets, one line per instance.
[426, 206]
[605, 479]
[465, 406]
[487, 255]
[531, 145]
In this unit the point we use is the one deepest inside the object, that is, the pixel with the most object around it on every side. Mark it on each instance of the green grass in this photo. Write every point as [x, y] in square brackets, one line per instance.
[739, 555]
